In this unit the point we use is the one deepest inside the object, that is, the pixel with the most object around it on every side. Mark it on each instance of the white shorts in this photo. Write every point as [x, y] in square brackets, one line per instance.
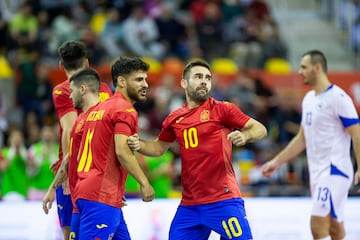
[329, 195]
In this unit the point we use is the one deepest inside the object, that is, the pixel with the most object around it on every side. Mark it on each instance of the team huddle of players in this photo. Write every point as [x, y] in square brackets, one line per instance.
[98, 137]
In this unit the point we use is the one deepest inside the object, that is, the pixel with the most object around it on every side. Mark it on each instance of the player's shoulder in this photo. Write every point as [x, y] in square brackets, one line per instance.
[118, 103]
[61, 88]
[220, 104]
[338, 90]
[62, 85]
[179, 111]
[104, 87]
[309, 94]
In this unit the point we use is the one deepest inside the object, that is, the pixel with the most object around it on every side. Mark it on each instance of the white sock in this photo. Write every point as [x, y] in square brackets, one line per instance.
[325, 238]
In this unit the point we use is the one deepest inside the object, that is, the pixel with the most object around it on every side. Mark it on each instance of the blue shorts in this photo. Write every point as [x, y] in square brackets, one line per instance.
[101, 222]
[64, 207]
[74, 226]
[227, 218]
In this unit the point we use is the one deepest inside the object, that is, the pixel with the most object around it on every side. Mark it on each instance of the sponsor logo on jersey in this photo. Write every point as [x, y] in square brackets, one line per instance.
[179, 119]
[57, 92]
[100, 226]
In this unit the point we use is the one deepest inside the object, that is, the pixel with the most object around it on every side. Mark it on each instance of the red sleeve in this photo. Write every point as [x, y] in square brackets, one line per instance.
[167, 133]
[62, 101]
[125, 123]
[232, 116]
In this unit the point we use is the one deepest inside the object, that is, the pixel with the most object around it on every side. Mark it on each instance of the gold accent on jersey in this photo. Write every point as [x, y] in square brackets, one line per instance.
[95, 115]
[103, 96]
[79, 126]
[57, 92]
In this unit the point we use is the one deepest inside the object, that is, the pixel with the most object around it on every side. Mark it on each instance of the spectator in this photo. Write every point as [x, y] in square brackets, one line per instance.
[31, 129]
[3, 119]
[44, 92]
[112, 35]
[64, 29]
[172, 33]
[210, 32]
[28, 84]
[242, 93]
[3, 34]
[141, 34]
[272, 44]
[40, 157]
[44, 34]
[259, 8]
[160, 171]
[24, 28]
[242, 36]
[13, 168]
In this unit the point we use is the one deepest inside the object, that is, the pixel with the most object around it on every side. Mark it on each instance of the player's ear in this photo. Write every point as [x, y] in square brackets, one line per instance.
[318, 67]
[183, 83]
[121, 82]
[82, 89]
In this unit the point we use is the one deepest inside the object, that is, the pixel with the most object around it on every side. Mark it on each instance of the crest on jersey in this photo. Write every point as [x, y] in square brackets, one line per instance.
[320, 106]
[205, 116]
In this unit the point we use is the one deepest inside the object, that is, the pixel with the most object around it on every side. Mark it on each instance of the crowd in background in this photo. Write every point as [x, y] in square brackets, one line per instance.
[243, 30]
[349, 23]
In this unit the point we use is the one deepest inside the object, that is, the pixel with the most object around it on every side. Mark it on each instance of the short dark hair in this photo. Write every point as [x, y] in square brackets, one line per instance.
[316, 57]
[190, 65]
[87, 76]
[124, 66]
[72, 54]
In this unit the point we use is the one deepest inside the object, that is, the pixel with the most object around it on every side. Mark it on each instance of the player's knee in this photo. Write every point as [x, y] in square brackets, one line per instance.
[337, 230]
[320, 227]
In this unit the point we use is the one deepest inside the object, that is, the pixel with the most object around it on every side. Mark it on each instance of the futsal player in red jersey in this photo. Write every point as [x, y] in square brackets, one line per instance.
[105, 159]
[73, 57]
[84, 93]
[205, 130]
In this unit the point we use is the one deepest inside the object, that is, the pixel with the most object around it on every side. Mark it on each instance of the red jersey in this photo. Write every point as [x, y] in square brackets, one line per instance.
[101, 178]
[207, 174]
[75, 140]
[63, 105]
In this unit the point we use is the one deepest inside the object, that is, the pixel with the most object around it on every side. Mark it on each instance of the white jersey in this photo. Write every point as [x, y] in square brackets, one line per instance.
[324, 119]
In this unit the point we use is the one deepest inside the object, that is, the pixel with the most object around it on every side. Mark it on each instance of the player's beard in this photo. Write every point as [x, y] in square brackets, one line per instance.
[136, 95]
[310, 79]
[196, 96]
[78, 103]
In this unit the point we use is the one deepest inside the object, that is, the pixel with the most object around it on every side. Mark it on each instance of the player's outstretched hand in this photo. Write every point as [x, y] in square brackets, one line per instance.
[134, 142]
[147, 193]
[268, 168]
[48, 199]
[237, 137]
